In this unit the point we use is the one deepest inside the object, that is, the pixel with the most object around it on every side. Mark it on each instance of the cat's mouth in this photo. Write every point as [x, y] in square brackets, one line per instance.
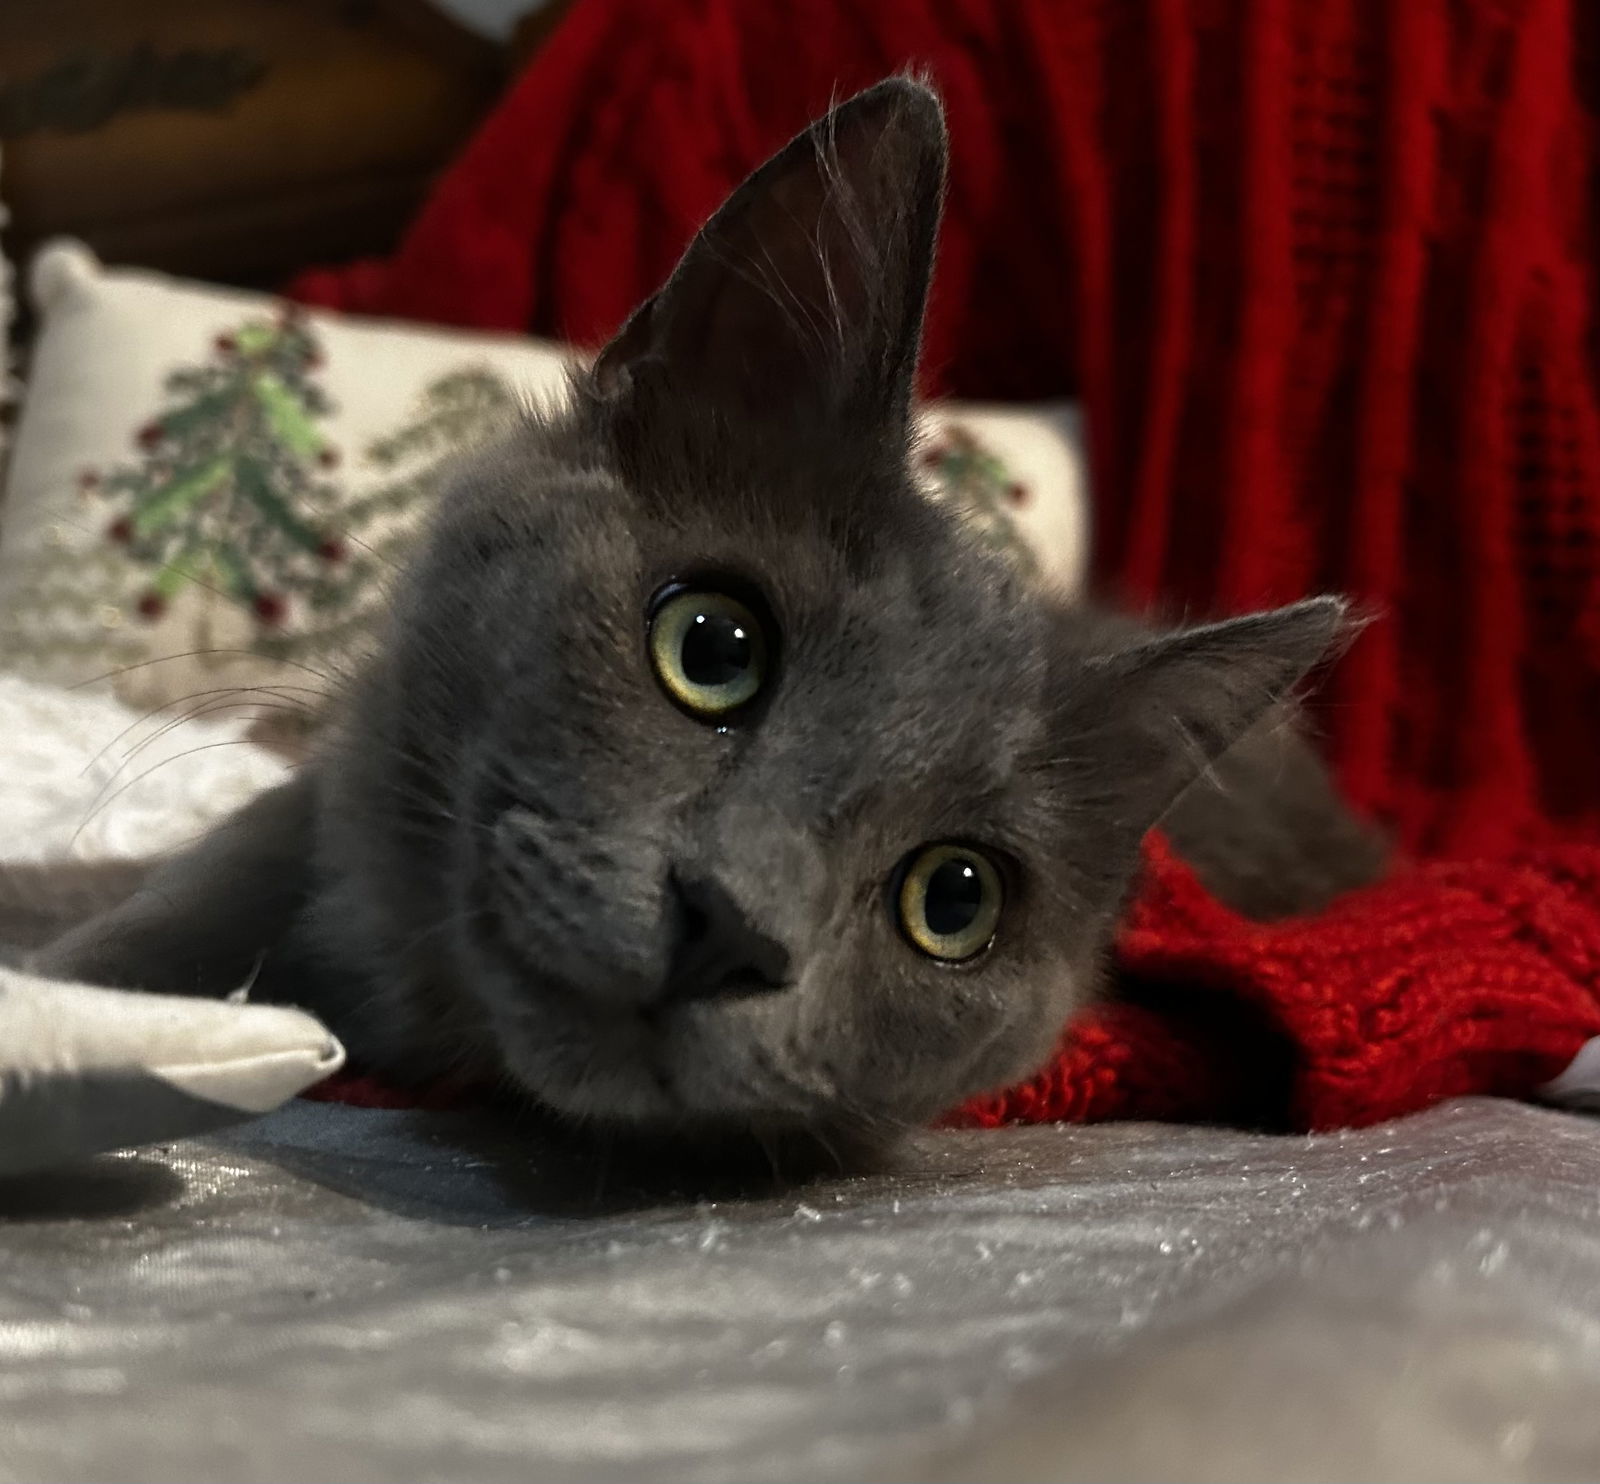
[642, 1059]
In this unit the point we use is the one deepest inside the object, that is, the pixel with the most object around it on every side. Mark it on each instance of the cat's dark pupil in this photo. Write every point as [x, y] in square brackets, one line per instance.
[716, 650]
[953, 896]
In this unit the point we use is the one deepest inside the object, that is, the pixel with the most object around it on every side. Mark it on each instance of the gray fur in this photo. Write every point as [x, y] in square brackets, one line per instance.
[489, 830]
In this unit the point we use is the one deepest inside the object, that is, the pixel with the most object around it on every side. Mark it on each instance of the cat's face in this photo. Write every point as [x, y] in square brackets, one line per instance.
[668, 907]
[746, 788]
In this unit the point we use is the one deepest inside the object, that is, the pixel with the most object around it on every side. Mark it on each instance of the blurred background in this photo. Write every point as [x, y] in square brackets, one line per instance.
[241, 141]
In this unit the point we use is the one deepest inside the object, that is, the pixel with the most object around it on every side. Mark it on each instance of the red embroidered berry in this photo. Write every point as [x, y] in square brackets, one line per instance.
[332, 550]
[328, 458]
[270, 607]
[152, 606]
[150, 435]
[1018, 493]
[120, 530]
[89, 479]
[933, 457]
[313, 360]
[226, 345]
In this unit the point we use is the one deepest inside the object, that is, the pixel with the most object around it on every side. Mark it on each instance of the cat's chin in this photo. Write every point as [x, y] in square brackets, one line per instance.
[627, 1072]
[590, 1072]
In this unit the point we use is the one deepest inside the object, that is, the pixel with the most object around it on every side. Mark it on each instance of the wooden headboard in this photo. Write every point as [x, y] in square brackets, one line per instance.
[233, 140]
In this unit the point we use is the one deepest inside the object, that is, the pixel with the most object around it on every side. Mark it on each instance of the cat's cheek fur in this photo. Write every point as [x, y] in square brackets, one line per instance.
[975, 1028]
[572, 1064]
[607, 946]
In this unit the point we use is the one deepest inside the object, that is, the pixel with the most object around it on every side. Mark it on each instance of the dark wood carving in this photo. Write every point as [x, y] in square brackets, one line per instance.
[234, 140]
[87, 89]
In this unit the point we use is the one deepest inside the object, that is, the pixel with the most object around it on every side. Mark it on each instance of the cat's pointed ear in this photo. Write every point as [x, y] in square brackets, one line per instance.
[802, 298]
[1171, 705]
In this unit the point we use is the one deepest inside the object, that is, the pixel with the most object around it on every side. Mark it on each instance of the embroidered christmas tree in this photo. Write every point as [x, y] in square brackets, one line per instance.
[230, 493]
[978, 483]
[461, 409]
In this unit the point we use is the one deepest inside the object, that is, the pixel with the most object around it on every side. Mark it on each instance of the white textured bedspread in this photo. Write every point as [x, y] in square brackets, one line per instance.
[338, 1294]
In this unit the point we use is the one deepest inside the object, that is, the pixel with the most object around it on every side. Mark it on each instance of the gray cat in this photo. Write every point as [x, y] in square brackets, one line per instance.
[708, 775]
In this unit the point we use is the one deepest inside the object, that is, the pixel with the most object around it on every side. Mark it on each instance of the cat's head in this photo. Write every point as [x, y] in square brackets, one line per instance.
[728, 779]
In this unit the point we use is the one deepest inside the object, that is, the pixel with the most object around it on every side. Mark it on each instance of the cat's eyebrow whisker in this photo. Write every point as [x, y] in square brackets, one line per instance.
[221, 703]
[1201, 763]
[255, 709]
[133, 752]
[100, 804]
[189, 654]
[414, 790]
[155, 711]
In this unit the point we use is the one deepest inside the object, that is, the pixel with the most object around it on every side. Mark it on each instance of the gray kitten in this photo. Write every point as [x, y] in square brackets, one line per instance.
[710, 776]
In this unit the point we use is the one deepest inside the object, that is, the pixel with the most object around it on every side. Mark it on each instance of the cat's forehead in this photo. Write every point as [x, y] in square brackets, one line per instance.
[901, 590]
[903, 647]
[924, 665]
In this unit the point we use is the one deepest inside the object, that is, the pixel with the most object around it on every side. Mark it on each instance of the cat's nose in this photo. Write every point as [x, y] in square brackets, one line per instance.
[718, 953]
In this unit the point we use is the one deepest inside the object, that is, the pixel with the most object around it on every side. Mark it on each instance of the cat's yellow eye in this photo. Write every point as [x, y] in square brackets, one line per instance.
[708, 650]
[949, 902]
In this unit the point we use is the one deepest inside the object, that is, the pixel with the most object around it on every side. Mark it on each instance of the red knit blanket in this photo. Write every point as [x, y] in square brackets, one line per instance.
[1324, 274]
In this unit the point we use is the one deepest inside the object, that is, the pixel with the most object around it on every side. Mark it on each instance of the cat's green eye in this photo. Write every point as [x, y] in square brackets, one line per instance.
[949, 902]
[709, 651]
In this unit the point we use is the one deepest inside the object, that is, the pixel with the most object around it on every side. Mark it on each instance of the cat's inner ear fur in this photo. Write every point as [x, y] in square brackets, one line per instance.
[1172, 704]
[803, 297]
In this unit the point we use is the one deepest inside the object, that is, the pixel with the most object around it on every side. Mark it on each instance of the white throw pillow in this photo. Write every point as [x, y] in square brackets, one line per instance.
[208, 490]
[211, 489]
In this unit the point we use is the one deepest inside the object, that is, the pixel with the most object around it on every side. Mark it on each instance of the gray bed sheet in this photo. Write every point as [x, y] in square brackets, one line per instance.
[342, 1294]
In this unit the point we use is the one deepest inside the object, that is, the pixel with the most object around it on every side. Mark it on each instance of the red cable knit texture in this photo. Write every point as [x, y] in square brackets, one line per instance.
[1324, 273]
